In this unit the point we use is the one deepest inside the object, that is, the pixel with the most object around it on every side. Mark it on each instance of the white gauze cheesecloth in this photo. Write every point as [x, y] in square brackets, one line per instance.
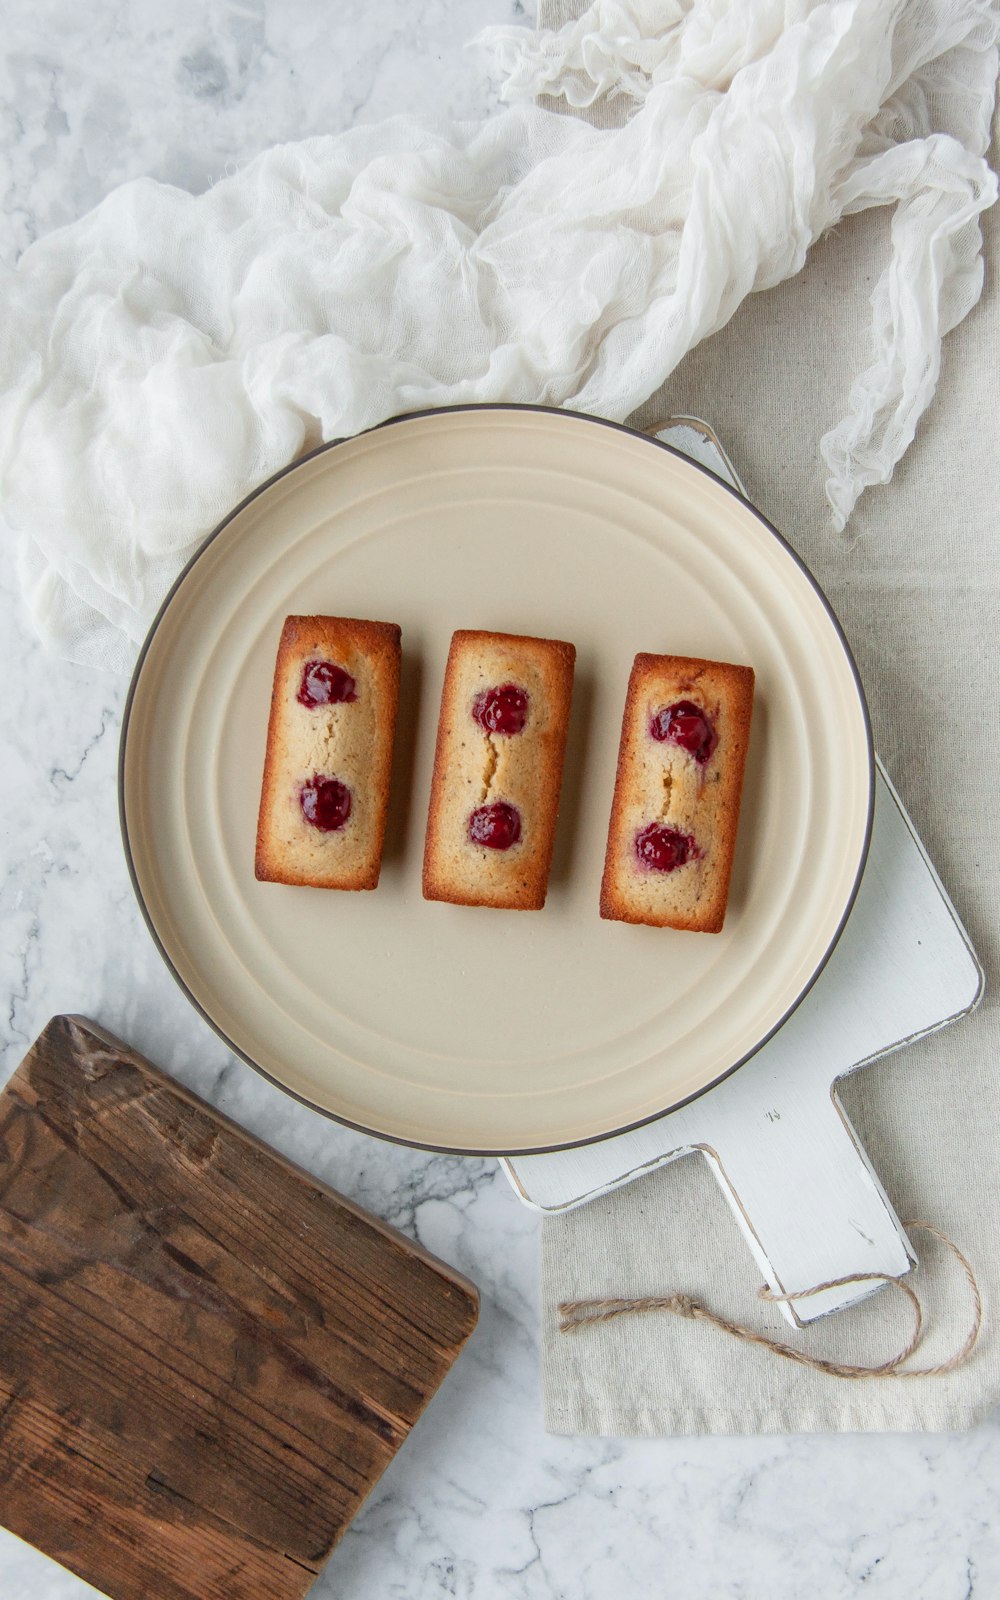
[168, 352]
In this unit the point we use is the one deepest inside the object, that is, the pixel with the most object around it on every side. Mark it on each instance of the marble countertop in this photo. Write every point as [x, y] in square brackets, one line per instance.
[481, 1502]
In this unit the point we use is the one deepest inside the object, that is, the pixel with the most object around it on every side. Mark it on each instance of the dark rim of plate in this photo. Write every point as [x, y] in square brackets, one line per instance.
[694, 466]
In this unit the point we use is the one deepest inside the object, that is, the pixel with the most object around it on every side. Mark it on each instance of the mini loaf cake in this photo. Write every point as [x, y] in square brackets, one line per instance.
[677, 793]
[329, 753]
[498, 770]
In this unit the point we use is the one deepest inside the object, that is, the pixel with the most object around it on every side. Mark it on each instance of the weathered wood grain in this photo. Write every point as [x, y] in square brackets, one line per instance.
[207, 1358]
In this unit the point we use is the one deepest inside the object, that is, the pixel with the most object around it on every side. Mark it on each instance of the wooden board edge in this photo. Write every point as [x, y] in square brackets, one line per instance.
[465, 1288]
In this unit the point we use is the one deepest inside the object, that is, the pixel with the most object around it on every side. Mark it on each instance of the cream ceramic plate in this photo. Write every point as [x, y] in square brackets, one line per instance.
[479, 1030]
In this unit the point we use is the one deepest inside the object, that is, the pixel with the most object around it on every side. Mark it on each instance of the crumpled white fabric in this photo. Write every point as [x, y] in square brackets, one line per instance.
[166, 353]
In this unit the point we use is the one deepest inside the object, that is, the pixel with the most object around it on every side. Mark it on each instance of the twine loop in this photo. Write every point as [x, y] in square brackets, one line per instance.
[575, 1314]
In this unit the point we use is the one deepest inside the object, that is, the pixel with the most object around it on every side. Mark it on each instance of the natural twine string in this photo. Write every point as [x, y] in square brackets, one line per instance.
[581, 1313]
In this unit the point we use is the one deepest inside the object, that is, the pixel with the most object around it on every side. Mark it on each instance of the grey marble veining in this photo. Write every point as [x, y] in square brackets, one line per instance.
[96, 91]
[480, 1503]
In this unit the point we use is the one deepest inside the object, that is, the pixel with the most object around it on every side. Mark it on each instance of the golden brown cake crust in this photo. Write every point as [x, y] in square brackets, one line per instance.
[473, 767]
[354, 737]
[660, 782]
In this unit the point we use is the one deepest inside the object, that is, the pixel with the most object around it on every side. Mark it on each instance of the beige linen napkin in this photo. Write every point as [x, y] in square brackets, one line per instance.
[916, 583]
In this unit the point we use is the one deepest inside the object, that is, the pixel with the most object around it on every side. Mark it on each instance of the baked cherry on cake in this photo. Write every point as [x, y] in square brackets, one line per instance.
[325, 802]
[498, 770]
[329, 753]
[498, 826]
[664, 849]
[677, 796]
[324, 683]
[687, 725]
[501, 710]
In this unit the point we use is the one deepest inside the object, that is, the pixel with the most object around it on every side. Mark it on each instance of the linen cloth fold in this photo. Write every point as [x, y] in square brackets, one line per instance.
[166, 353]
[916, 584]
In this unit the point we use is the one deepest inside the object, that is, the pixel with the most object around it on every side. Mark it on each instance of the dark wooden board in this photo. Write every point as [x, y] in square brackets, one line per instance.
[207, 1358]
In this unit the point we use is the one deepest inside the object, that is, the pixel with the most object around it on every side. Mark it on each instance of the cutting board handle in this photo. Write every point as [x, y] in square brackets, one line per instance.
[808, 1201]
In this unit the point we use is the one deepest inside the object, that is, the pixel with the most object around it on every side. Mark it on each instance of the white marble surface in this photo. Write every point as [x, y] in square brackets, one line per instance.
[480, 1502]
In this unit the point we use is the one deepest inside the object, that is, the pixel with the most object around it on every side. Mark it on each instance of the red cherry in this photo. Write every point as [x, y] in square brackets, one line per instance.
[498, 825]
[325, 803]
[664, 849]
[687, 725]
[325, 684]
[502, 710]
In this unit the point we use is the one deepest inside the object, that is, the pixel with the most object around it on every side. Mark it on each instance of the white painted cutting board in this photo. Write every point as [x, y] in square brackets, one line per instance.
[789, 1162]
